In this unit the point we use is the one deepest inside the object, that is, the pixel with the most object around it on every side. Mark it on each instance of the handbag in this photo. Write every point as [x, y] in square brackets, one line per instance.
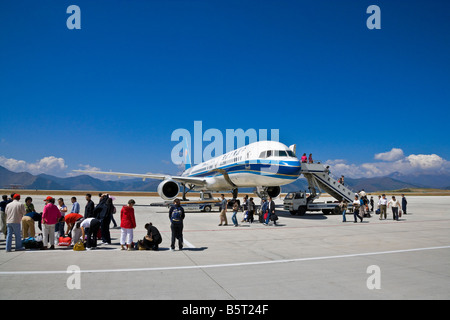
[79, 246]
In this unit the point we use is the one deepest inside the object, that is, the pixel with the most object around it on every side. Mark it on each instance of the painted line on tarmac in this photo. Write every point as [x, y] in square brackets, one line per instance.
[190, 245]
[226, 265]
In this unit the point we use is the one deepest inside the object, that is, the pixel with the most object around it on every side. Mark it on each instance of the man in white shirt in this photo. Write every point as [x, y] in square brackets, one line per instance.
[395, 205]
[14, 214]
[382, 203]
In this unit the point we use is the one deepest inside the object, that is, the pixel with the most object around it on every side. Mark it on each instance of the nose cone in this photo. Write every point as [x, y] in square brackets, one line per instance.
[291, 168]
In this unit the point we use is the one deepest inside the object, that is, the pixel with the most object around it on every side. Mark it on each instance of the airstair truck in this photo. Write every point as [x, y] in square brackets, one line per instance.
[319, 178]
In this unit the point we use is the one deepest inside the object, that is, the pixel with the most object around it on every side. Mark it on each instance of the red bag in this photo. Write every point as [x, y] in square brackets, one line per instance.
[64, 241]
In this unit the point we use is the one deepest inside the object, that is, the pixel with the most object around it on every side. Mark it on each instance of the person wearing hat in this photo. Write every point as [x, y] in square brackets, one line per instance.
[14, 213]
[50, 216]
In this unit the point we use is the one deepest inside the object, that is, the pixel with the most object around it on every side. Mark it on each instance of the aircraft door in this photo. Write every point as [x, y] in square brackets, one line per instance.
[247, 161]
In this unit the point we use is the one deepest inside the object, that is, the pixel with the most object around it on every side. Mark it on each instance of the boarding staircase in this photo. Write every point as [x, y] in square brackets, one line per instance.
[318, 176]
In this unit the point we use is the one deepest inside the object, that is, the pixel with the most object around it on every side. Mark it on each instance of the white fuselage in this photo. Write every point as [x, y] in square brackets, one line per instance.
[260, 164]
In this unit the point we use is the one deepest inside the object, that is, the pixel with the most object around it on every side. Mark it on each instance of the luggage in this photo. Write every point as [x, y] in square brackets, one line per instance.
[377, 211]
[64, 241]
[79, 246]
[31, 243]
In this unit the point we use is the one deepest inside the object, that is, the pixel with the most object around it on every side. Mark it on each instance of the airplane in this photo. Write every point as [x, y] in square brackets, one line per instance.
[263, 165]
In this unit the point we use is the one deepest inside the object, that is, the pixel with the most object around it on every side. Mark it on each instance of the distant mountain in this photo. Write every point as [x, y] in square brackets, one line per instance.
[437, 181]
[82, 182]
[377, 184]
[368, 184]
[88, 183]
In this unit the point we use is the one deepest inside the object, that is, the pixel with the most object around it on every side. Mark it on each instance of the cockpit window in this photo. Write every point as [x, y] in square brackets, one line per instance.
[277, 153]
[291, 153]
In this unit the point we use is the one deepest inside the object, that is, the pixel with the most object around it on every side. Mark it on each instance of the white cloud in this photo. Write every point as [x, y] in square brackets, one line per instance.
[426, 161]
[394, 154]
[49, 165]
[88, 167]
[394, 161]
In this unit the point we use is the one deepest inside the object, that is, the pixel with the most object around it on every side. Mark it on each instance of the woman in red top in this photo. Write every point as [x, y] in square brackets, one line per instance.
[304, 158]
[127, 224]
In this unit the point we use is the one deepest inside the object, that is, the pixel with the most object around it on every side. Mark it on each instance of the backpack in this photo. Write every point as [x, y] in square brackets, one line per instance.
[176, 215]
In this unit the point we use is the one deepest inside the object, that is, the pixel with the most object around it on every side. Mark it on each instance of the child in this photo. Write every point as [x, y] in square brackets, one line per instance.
[127, 224]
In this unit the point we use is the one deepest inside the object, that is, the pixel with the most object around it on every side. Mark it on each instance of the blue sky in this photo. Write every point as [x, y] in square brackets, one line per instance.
[109, 96]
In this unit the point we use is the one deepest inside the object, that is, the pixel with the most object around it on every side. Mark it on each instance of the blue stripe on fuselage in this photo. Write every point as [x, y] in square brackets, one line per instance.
[276, 168]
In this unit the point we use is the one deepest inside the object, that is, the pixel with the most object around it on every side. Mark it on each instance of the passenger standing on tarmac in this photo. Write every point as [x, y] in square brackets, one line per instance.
[127, 224]
[176, 216]
[235, 211]
[382, 203]
[223, 211]
[59, 227]
[356, 204]
[50, 216]
[90, 206]
[251, 210]
[263, 210]
[404, 203]
[14, 213]
[343, 206]
[270, 210]
[245, 208]
[395, 205]
[75, 205]
[3, 214]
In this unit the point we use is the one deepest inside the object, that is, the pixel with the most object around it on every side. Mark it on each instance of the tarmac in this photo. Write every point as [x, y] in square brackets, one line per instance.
[314, 256]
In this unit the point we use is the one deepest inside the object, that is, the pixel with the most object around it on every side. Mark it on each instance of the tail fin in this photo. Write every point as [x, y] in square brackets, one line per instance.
[187, 155]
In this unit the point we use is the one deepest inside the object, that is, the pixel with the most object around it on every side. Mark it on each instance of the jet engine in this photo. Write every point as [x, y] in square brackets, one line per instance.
[273, 191]
[263, 192]
[168, 189]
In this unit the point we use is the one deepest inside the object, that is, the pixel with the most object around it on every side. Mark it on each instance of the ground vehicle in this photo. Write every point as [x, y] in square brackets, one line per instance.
[299, 202]
[205, 204]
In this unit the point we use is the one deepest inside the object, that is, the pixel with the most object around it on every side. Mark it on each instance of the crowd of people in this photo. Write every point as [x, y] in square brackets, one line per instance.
[59, 226]
[362, 202]
[266, 212]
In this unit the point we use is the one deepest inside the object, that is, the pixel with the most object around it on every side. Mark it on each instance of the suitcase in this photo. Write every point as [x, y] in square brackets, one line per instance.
[64, 241]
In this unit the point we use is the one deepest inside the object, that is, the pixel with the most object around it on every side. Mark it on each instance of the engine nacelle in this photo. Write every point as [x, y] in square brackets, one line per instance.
[274, 191]
[263, 192]
[168, 189]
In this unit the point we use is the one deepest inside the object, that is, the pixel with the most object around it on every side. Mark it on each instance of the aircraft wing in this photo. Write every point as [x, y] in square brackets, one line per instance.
[181, 179]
